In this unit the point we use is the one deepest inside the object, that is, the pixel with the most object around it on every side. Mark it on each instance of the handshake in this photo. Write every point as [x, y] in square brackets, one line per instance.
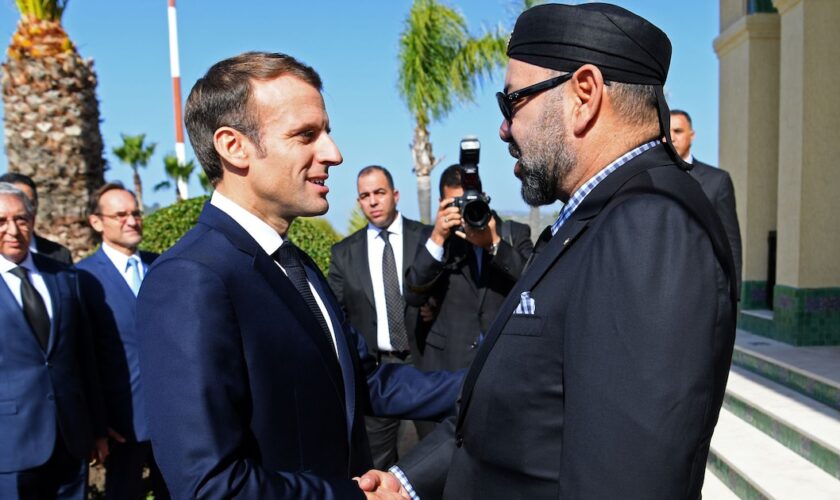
[378, 484]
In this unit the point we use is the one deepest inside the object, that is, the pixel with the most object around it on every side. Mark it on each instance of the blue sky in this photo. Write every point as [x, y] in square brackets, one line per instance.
[353, 45]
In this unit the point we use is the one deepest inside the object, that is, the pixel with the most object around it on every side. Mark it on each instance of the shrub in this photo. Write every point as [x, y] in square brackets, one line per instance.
[162, 229]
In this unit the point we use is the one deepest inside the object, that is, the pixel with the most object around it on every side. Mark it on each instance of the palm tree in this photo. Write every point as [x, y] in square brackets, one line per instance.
[440, 64]
[176, 172]
[51, 119]
[134, 153]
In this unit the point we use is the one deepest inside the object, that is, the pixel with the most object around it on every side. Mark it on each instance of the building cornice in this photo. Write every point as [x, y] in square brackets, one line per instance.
[785, 5]
[760, 26]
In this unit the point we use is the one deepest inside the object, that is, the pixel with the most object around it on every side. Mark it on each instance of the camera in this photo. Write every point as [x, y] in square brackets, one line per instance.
[474, 204]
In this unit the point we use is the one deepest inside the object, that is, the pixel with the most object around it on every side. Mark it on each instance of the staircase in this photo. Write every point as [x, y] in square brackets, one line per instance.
[779, 430]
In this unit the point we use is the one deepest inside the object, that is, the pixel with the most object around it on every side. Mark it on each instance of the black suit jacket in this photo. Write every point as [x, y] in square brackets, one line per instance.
[612, 388]
[717, 184]
[53, 250]
[467, 302]
[349, 278]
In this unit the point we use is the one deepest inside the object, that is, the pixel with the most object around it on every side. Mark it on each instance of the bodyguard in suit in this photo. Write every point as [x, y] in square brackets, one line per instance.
[110, 280]
[254, 382]
[366, 274]
[38, 244]
[467, 276]
[50, 405]
[595, 380]
[715, 182]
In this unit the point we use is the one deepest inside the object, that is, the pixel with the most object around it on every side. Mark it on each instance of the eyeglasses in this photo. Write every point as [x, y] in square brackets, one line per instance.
[122, 217]
[506, 101]
[19, 221]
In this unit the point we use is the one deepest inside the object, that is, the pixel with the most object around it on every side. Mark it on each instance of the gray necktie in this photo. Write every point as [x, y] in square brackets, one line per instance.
[394, 302]
[33, 307]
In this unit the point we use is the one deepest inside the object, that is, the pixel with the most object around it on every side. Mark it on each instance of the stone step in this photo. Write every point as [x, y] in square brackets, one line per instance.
[714, 489]
[812, 371]
[803, 425]
[754, 465]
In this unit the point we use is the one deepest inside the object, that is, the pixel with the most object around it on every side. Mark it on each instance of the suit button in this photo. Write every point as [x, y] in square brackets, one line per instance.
[474, 345]
[459, 440]
[50, 397]
[47, 364]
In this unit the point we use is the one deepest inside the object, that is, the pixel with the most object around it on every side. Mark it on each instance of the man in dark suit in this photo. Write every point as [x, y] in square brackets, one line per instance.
[368, 293]
[50, 404]
[110, 280]
[39, 245]
[255, 384]
[603, 374]
[715, 182]
[467, 276]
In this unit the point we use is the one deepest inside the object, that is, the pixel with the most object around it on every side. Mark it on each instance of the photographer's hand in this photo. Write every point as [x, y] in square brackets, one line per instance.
[448, 218]
[485, 238]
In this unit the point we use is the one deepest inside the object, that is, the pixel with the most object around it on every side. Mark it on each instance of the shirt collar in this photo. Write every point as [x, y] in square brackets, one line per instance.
[6, 265]
[587, 187]
[266, 237]
[689, 159]
[396, 227]
[119, 259]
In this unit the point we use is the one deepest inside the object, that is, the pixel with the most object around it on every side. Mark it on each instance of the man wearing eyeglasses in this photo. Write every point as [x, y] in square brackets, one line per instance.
[51, 411]
[110, 280]
[603, 374]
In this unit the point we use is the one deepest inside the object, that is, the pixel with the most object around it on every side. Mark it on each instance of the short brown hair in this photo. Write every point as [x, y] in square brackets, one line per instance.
[93, 209]
[221, 98]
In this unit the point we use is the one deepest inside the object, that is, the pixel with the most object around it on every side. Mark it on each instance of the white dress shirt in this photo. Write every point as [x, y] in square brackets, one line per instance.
[437, 253]
[268, 239]
[35, 277]
[120, 261]
[376, 245]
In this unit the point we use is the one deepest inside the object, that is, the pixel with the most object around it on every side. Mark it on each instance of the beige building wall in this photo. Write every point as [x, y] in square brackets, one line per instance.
[748, 51]
[809, 144]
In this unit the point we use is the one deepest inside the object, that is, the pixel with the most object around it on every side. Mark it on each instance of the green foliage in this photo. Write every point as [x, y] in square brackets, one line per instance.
[46, 10]
[163, 228]
[440, 62]
[166, 226]
[133, 152]
[356, 221]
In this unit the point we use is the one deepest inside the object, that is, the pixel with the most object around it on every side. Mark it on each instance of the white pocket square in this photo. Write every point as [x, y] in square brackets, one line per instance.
[526, 304]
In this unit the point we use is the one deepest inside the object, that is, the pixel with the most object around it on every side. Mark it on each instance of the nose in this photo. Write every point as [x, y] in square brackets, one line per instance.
[329, 153]
[504, 130]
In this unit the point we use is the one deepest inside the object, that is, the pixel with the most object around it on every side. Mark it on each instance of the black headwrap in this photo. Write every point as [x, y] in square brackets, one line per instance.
[625, 47]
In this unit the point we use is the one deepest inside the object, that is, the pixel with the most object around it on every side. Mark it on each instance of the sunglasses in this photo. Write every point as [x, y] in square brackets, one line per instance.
[506, 101]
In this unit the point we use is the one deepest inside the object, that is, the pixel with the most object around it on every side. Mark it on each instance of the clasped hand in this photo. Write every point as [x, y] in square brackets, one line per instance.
[378, 484]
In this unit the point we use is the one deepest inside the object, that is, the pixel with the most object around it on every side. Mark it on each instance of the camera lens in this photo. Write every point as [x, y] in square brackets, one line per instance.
[476, 213]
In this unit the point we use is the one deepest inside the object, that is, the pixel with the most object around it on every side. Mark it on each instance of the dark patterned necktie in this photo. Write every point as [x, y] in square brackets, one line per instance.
[288, 257]
[394, 302]
[33, 307]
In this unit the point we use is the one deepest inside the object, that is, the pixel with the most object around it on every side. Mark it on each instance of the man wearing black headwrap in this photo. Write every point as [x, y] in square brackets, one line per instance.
[603, 374]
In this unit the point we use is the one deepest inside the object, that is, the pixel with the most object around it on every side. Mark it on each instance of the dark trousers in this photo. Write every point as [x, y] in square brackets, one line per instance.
[124, 472]
[63, 477]
[384, 433]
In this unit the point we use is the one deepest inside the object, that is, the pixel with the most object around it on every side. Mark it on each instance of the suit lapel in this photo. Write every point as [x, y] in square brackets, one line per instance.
[265, 266]
[15, 313]
[109, 272]
[359, 256]
[55, 296]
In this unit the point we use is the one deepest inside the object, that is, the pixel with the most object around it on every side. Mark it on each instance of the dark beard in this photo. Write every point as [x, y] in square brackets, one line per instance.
[545, 164]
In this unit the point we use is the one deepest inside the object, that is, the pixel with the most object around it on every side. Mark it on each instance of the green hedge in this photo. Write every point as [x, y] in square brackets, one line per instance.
[164, 227]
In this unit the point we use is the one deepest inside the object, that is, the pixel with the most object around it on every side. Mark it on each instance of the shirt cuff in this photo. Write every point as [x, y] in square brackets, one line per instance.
[434, 249]
[404, 480]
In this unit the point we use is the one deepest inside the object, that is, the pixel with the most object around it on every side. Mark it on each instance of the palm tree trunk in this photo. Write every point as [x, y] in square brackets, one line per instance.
[534, 222]
[138, 188]
[182, 188]
[424, 162]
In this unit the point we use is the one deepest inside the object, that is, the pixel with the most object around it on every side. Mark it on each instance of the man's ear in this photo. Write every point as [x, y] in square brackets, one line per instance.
[231, 146]
[95, 222]
[587, 84]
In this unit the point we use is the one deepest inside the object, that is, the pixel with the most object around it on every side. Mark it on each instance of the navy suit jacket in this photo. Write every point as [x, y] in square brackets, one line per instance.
[111, 305]
[245, 396]
[41, 392]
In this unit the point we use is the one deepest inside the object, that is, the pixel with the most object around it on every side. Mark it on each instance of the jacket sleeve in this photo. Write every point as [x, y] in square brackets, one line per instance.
[427, 464]
[510, 258]
[725, 207]
[335, 275]
[88, 363]
[643, 376]
[197, 392]
[422, 277]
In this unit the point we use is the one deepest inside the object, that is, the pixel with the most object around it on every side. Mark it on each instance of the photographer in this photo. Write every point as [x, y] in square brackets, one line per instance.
[466, 272]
